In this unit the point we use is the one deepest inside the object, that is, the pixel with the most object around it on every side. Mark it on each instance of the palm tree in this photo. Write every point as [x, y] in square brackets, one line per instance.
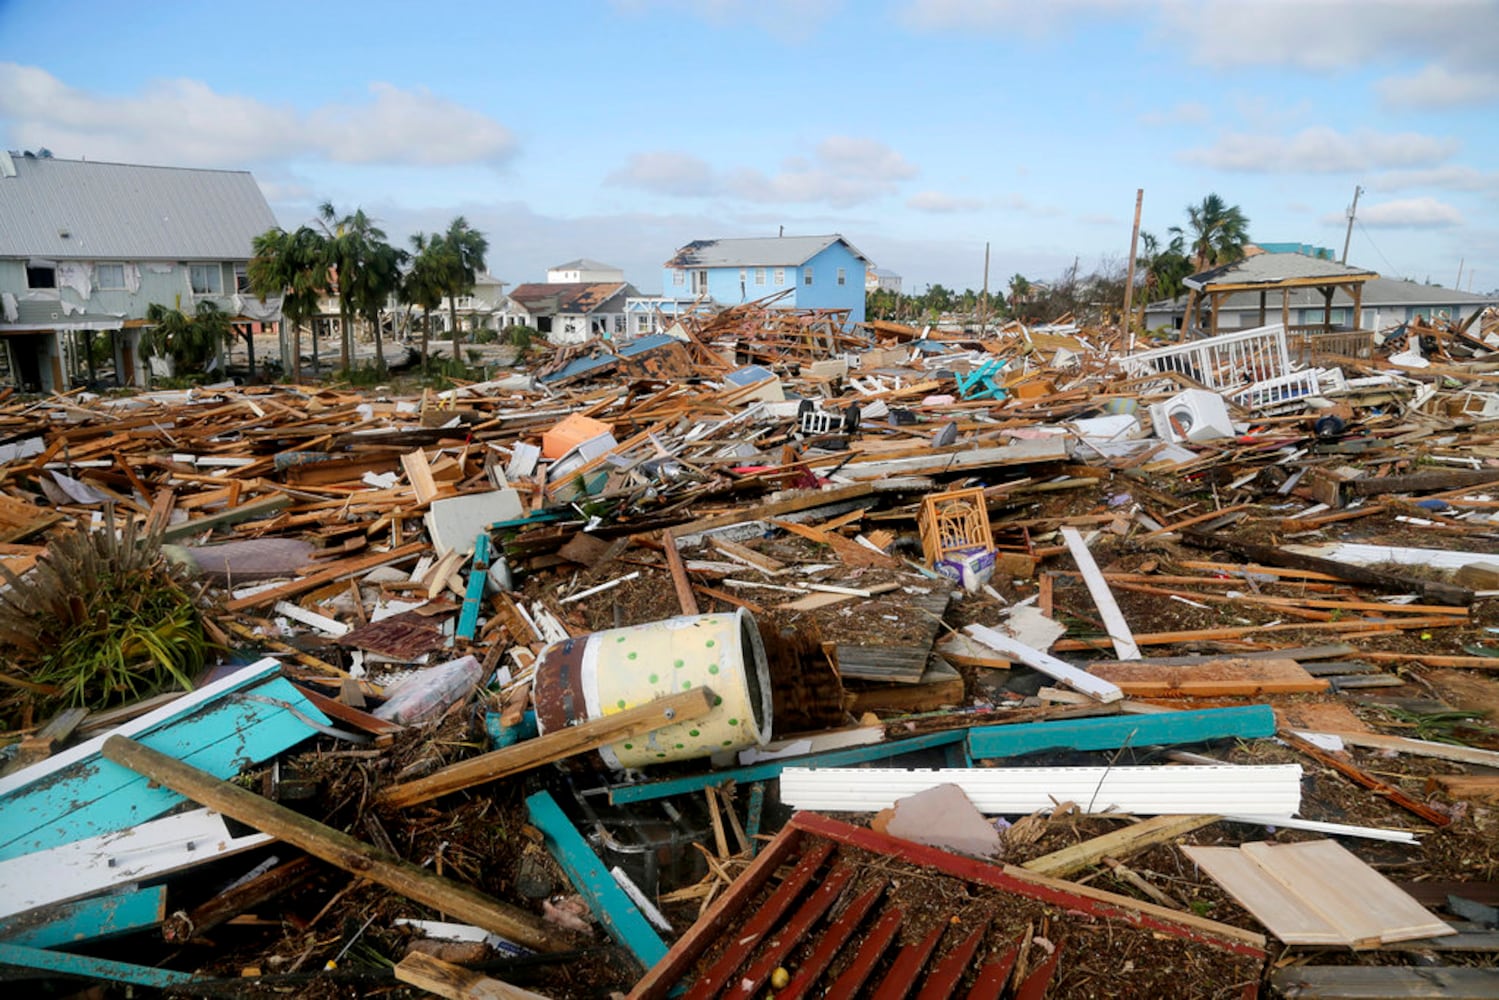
[1218, 232]
[1020, 291]
[1164, 267]
[295, 267]
[342, 252]
[463, 250]
[377, 278]
[423, 285]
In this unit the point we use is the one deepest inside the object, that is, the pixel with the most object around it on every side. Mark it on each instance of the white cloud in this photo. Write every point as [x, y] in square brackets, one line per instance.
[1408, 213]
[666, 172]
[186, 122]
[1007, 15]
[1099, 219]
[1453, 177]
[1439, 87]
[841, 172]
[942, 204]
[1322, 151]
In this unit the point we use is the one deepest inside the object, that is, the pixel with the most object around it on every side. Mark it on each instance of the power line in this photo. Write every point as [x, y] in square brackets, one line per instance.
[1392, 268]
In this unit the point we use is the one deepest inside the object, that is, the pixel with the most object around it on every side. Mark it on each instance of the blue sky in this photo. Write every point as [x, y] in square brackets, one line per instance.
[919, 129]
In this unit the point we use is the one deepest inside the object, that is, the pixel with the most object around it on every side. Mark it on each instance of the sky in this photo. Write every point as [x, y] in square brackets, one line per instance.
[921, 130]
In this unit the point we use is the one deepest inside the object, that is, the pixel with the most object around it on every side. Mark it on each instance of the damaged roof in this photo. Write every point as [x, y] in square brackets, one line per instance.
[543, 299]
[78, 209]
[760, 252]
[1274, 268]
[1377, 292]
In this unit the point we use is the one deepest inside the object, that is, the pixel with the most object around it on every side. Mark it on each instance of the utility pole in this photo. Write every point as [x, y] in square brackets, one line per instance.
[1352, 214]
[1129, 279]
[984, 296]
[1460, 262]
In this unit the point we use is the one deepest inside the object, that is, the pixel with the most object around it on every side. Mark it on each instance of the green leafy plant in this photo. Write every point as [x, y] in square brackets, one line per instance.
[103, 618]
[1439, 727]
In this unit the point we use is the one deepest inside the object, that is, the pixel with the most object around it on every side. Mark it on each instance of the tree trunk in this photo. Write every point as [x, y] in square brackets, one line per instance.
[379, 347]
[426, 336]
[250, 352]
[453, 315]
[296, 352]
[345, 338]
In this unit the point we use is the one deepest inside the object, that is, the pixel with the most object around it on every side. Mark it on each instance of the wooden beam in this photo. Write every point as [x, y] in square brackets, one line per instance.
[333, 846]
[454, 982]
[683, 585]
[346, 567]
[1119, 843]
[568, 742]
[1108, 608]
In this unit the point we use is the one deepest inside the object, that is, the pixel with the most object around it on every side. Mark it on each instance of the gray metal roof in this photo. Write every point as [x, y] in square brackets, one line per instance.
[584, 264]
[1377, 293]
[118, 211]
[1270, 268]
[762, 252]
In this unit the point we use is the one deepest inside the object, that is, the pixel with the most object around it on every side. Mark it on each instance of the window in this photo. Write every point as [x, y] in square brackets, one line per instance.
[759, 275]
[242, 279]
[679, 278]
[41, 277]
[205, 279]
[806, 276]
[780, 276]
[842, 277]
[109, 277]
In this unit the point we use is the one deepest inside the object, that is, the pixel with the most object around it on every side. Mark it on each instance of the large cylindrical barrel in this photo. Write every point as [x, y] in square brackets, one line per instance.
[595, 675]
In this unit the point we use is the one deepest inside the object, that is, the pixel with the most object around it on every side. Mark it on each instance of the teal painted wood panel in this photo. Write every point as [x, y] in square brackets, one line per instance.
[1111, 732]
[87, 919]
[92, 796]
[767, 770]
[85, 967]
[590, 876]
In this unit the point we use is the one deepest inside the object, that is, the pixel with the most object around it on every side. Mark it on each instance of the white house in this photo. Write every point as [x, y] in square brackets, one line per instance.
[573, 312]
[584, 271]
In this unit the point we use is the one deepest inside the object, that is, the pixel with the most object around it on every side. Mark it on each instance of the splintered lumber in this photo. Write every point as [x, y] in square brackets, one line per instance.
[1421, 748]
[1108, 608]
[1120, 843]
[559, 745]
[803, 501]
[1059, 670]
[333, 846]
[1433, 590]
[1215, 678]
[254, 510]
[1361, 777]
[1484, 787]
[346, 567]
[454, 982]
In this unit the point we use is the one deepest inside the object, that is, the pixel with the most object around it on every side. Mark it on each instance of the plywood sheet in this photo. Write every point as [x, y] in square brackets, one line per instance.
[1218, 677]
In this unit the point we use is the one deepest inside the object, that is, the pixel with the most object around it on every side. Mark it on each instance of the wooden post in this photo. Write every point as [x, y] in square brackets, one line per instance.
[333, 846]
[1129, 278]
[1285, 309]
[984, 296]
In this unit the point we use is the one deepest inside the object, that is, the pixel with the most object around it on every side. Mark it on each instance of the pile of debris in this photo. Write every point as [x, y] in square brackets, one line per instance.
[761, 655]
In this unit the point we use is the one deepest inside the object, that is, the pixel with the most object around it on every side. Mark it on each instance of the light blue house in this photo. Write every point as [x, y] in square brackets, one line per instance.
[807, 272]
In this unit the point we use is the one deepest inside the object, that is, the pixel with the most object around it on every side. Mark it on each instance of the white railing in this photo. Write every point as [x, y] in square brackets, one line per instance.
[1253, 368]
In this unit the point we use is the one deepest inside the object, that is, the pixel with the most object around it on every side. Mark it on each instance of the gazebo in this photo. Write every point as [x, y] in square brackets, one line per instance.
[1275, 272]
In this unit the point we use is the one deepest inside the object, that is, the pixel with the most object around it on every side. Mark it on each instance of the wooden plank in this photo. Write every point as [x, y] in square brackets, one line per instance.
[568, 742]
[685, 596]
[1360, 902]
[1484, 787]
[1384, 982]
[333, 846]
[1108, 608]
[1211, 679]
[1287, 915]
[254, 510]
[1059, 670]
[1421, 748]
[805, 501]
[1370, 782]
[614, 909]
[118, 858]
[88, 919]
[87, 967]
[454, 982]
[1120, 843]
[1166, 728]
[338, 570]
[419, 474]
